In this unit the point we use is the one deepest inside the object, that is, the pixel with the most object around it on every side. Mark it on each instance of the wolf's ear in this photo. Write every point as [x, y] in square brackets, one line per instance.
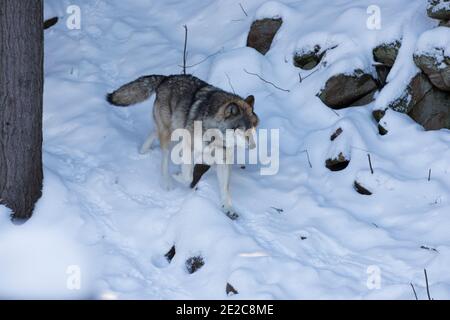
[250, 101]
[231, 110]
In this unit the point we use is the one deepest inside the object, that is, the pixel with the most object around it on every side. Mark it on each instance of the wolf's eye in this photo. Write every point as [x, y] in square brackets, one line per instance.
[232, 110]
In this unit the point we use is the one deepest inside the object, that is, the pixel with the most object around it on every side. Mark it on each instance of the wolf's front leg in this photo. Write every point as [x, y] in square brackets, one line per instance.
[223, 176]
[186, 175]
[166, 178]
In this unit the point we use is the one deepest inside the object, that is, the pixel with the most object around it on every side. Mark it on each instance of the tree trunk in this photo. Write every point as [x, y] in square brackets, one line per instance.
[21, 92]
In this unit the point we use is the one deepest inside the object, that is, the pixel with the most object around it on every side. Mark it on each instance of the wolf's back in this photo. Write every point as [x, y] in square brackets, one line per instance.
[136, 91]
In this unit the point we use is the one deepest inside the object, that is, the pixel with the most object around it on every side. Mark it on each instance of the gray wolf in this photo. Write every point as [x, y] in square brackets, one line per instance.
[182, 100]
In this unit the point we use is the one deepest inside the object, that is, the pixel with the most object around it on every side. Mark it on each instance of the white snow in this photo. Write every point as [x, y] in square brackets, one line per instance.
[104, 210]
[436, 43]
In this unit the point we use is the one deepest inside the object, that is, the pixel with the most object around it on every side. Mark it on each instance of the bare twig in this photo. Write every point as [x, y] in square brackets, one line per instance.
[307, 156]
[429, 175]
[207, 58]
[229, 82]
[414, 290]
[426, 282]
[185, 48]
[268, 82]
[335, 112]
[280, 211]
[301, 78]
[243, 10]
[370, 163]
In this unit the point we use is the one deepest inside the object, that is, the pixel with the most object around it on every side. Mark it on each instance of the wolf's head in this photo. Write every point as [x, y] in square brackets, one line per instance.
[232, 112]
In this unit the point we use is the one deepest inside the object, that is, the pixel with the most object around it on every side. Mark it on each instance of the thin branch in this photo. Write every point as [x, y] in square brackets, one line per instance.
[268, 82]
[280, 211]
[309, 75]
[428, 287]
[429, 175]
[207, 58]
[185, 48]
[307, 156]
[370, 163]
[243, 10]
[229, 82]
[335, 112]
[414, 290]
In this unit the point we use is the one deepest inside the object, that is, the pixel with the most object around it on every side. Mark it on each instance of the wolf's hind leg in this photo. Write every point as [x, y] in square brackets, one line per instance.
[147, 146]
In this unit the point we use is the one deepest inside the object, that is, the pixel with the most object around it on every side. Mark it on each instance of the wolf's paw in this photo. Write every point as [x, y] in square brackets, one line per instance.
[167, 184]
[145, 150]
[230, 212]
[180, 178]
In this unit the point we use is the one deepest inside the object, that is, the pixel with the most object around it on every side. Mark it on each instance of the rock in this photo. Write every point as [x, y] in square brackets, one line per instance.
[230, 290]
[378, 116]
[344, 90]
[433, 111]
[439, 9]
[308, 60]
[361, 190]
[199, 171]
[382, 130]
[386, 53]
[171, 254]
[414, 93]
[382, 72]
[336, 134]
[424, 103]
[368, 98]
[262, 33]
[194, 264]
[50, 22]
[337, 164]
[436, 67]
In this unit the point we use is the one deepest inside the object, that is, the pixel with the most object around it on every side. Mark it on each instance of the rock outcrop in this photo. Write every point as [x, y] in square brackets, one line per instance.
[345, 90]
[439, 9]
[262, 33]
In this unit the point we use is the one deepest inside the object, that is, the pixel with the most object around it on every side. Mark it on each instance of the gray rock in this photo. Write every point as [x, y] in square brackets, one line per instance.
[348, 90]
[361, 189]
[382, 73]
[439, 9]
[337, 164]
[262, 33]
[433, 111]
[438, 72]
[426, 104]
[386, 53]
[415, 91]
[308, 60]
[378, 115]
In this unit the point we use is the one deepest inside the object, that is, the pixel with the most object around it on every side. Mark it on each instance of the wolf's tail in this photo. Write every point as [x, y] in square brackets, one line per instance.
[136, 91]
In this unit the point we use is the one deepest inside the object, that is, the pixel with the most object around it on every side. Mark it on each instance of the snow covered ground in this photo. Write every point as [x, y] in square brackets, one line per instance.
[105, 220]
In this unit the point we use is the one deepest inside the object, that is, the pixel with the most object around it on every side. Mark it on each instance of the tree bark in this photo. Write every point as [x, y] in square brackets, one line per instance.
[21, 95]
